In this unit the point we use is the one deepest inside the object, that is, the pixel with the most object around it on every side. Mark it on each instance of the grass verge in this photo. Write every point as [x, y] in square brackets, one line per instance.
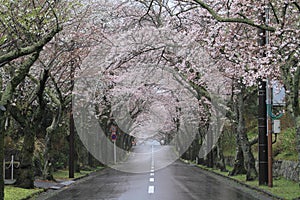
[64, 174]
[282, 187]
[15, 193]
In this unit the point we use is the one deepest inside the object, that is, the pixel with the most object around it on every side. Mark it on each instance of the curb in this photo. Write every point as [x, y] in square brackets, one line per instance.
[45, 190]
[241, 183]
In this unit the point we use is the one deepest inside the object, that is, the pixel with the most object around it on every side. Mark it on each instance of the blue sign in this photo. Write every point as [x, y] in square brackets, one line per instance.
[113, 137]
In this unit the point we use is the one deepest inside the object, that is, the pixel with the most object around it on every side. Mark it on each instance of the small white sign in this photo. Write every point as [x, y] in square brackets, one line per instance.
[278, 94]
[276, 126]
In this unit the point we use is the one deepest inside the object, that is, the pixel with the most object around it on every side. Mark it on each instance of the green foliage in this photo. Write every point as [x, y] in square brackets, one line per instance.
[15, 193]
[281, 187]
[228, 142]
[285, 147]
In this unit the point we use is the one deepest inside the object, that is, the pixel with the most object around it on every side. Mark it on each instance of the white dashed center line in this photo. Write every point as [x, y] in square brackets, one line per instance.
[151, 179]
[151, 189]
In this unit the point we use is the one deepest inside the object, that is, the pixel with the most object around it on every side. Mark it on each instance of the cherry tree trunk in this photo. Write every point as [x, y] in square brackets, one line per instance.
[220, 157]
[249, 161]
[25, 177]
[238, 167]
[47, 171]
[2, 132]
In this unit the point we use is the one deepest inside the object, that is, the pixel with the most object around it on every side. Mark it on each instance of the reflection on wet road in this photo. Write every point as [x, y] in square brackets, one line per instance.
[178, 181]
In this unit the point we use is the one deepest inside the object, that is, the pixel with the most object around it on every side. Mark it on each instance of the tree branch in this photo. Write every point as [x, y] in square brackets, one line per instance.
[275, 13]
[297, 5]
[29, 49]
[17, 79]
[253, 141]
[234, 20]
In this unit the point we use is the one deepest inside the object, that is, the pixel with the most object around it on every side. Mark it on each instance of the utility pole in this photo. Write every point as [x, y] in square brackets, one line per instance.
[71, 146]
[72, 131]
[262, 135]
[269, 113]
[269, 128]
[262, 121]
[113, 130]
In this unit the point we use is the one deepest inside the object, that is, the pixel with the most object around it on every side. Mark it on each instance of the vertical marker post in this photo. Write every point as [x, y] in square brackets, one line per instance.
[12, 167]
[115, 153]
[3, 169]
[269, 135]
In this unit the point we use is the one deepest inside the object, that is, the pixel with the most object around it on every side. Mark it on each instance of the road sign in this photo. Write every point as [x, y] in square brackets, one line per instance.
[113, 136]
[276, 126]
[278, 95]
[113, 129]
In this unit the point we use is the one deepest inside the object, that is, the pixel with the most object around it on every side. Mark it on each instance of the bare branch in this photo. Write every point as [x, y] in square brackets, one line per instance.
[297, 5]
[253, 141]
[18, 78]
[234, 20]
[275, 13]
[29, 49]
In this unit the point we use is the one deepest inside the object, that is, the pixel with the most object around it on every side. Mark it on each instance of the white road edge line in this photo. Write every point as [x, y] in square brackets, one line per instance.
[151, 189]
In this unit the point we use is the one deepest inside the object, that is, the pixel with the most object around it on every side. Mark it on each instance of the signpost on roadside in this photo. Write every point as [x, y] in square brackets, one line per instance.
[266, 117]
[273, 122]
[113, 130]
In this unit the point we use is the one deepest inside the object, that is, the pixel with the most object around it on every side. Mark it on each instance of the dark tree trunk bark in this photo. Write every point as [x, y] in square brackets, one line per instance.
[197, 146]
[91, 162]
[25, 177]
[249, 161]
[71, 147]
[47, 171]
[221, 160]
[2, 132]
[238, 167]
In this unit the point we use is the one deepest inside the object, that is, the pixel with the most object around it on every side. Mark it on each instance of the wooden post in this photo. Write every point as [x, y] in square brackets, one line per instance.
[269, 127]
[72, 130]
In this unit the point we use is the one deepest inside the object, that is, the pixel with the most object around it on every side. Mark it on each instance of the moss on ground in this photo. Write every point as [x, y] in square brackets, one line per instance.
[15, 193]
[64, 174]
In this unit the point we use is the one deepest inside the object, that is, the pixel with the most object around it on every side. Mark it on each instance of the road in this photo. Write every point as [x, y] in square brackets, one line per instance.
[178, 181]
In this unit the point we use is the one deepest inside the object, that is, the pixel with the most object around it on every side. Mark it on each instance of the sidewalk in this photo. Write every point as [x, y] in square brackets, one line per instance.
[51, 188]
[52, 185]
[60, 182]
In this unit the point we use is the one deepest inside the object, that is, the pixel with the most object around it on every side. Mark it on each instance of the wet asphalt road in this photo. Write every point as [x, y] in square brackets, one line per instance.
[178, 181]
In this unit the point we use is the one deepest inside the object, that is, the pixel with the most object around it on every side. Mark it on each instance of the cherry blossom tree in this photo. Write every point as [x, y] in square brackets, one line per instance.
[228, 30]
[150, 44]
[234, 38]
[24, 32]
